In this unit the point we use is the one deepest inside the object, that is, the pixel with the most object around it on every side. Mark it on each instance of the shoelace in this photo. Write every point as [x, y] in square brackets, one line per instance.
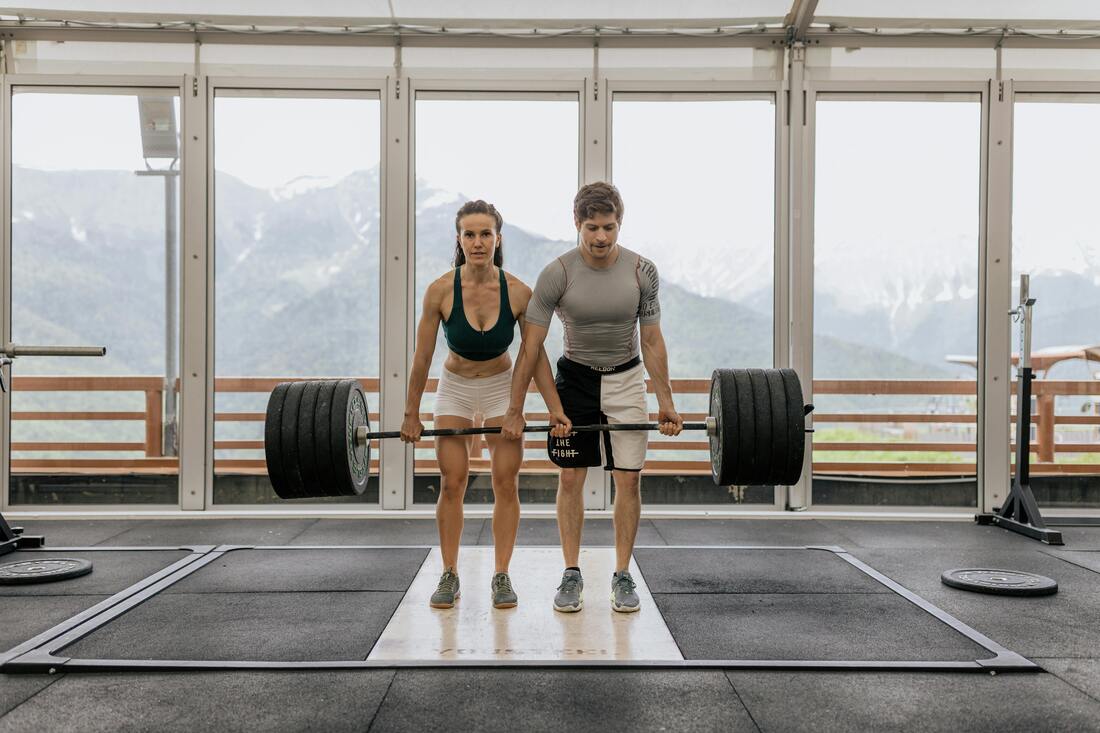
[447, 583]
[569, 584]
[503, 583]
[627, 581]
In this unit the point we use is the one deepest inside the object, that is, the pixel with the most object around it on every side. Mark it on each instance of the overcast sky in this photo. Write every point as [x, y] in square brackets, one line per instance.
[696, 176]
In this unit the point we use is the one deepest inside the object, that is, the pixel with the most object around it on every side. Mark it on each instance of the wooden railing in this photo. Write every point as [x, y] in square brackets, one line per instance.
[150, 458]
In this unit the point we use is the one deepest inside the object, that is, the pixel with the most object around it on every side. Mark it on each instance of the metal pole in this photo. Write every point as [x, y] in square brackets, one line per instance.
[364, 435]
[13, 350]
[1026, 303]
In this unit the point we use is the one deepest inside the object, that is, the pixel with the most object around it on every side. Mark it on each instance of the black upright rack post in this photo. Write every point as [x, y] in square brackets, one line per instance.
[1020, 512]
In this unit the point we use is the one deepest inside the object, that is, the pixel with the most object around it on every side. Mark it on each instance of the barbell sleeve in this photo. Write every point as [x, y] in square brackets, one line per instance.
[363, 435]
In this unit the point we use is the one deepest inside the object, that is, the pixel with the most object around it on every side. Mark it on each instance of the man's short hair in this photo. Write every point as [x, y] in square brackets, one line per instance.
[597, 198]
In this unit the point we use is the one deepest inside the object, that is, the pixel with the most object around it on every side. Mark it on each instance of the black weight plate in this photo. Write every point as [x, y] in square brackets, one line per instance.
[349, 411]
[307, 450]
[796, 429]
[273, 427]
[292, 467]
[723, 444]
[762, 411]
[45, 570]
[999, 582]
[746, 429]
[780, 440]
[322, 439]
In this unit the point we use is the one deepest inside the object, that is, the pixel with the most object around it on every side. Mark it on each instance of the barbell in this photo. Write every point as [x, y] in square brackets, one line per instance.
[317, 433]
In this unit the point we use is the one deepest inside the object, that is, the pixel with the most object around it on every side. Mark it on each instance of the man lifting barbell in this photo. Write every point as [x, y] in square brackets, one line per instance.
[602, 292]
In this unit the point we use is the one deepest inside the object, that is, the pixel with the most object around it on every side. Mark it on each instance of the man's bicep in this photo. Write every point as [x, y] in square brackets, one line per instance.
[546, 295]
[649, 304]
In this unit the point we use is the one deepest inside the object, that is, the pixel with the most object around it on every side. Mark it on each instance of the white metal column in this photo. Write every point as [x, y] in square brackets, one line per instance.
[396, 458]
[196, 306]
[995, 286]
[781, 275]
[595, 165]
[5, 286]
[801, 263]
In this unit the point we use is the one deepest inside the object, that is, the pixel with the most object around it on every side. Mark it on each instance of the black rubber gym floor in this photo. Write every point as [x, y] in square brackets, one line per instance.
[299, 602]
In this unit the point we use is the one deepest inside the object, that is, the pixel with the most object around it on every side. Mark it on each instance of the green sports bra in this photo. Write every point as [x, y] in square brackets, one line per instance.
[468, 342]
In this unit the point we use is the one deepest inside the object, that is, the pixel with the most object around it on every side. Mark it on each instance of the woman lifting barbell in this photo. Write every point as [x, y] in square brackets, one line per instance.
[478, 305]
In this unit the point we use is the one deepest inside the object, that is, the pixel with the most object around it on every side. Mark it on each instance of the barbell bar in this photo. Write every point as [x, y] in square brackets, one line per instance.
[317, 434]
[363, 434]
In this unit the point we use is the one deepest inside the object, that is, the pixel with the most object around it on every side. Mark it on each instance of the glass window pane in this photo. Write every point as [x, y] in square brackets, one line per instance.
[1055, 241]
[697, 176]
[297, 259]
[520, 155]
[95, 254]
[896, 214]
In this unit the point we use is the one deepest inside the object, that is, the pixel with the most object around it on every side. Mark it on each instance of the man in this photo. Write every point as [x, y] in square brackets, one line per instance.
[601, 291]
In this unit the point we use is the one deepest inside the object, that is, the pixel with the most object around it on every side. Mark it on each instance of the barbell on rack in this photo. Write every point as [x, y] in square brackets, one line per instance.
[317, 433]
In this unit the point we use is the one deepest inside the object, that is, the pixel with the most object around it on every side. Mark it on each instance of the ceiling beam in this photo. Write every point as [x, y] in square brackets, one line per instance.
[580, 38]
[799, 18]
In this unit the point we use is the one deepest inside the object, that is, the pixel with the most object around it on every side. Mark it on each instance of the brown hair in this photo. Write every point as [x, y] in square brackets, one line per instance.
[477, 207]
[597, 198]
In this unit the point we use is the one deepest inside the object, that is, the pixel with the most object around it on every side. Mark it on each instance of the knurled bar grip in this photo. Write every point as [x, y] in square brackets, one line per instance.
[362, 435]
[13, 350]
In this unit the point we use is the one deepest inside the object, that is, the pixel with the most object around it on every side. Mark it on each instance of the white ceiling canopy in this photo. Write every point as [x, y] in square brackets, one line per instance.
[959, 14]
[768, 21]
[478, 13]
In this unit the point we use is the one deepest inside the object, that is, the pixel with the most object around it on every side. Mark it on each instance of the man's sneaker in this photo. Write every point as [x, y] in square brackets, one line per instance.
[568, 599]
[446, 593]
[624, 599]
[503, 595]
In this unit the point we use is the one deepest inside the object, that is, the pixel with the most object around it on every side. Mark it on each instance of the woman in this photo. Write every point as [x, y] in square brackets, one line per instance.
[478, 305]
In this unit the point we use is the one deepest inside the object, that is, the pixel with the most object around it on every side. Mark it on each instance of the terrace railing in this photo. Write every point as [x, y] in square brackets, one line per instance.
[950, 453]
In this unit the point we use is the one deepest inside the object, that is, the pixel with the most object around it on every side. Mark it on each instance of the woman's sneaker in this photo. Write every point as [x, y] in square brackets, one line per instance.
[503, 595]
[446, 593]
[624, 599]
[568, 599]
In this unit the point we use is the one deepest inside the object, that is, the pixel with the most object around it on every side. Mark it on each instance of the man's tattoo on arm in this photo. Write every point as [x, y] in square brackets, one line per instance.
[649, 305]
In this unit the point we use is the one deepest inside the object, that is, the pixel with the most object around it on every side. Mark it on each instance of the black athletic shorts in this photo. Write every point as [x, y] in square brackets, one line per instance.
[602, 395]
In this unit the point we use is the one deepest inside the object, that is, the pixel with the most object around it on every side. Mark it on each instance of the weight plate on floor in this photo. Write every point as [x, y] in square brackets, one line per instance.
[273, 429]
[723, 444]
[46, 570]
[352, 461]
[1000, 582]
[796, 429]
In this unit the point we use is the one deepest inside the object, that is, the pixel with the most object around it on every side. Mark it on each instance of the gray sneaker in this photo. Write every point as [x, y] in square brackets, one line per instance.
[624, 599]
[568, 599]
[503, 595]
[446, 593]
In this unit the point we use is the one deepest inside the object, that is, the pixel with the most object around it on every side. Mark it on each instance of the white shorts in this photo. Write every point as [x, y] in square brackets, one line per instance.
[465, 396]
[593, 396]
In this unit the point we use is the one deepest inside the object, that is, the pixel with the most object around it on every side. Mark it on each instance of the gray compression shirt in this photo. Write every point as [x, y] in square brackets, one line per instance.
[599, 308]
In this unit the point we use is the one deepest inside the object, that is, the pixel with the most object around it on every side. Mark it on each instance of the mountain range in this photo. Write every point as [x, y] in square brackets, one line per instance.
[297, 286]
